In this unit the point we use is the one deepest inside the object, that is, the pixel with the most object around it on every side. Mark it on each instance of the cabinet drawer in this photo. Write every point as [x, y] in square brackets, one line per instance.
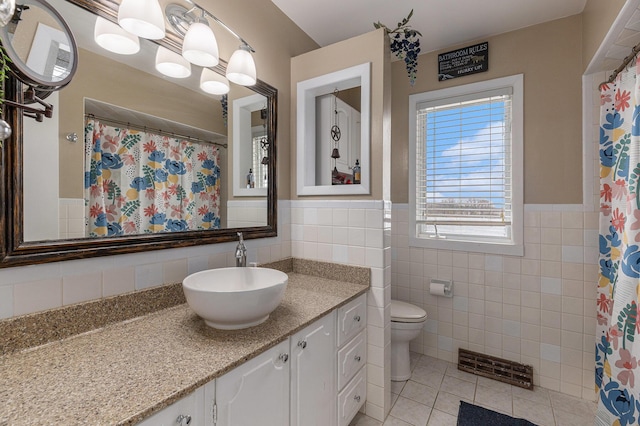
[352, 397]
[351, 358]
[352, 318]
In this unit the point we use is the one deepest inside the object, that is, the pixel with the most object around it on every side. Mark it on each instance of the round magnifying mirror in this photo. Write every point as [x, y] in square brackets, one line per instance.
[40, 44]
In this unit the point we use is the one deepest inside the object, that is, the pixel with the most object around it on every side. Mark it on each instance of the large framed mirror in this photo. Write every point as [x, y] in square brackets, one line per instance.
[68, 188]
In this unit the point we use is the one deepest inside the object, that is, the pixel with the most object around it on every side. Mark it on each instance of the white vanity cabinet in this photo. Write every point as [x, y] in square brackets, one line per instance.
[257, 392]
[352, 358]
[313, 380]
[316, 377]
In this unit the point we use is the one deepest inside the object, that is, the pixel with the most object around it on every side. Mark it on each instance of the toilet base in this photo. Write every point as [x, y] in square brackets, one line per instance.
[400, 364]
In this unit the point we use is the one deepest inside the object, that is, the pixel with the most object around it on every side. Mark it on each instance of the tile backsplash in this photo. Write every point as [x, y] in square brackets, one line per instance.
[29, 289]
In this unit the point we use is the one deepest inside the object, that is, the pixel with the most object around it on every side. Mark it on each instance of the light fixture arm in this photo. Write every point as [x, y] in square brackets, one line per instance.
[205, 12]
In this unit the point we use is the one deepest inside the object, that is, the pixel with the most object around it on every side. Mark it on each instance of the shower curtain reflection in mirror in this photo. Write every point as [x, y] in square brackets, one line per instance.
[140, 182]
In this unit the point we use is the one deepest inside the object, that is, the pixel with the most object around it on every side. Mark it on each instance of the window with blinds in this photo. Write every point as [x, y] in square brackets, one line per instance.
[464, 170]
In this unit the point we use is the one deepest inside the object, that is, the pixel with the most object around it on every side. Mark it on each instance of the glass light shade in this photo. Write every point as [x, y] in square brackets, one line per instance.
[171, 64]
[213, 83]
[200, 46]
[143, 18]
[114, 38]
[241, 68]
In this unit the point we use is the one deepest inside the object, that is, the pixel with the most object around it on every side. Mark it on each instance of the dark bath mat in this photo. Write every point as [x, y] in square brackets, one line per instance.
[473, 415]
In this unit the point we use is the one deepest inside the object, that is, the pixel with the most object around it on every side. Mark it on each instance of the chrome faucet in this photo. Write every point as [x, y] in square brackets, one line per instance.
[241, 252]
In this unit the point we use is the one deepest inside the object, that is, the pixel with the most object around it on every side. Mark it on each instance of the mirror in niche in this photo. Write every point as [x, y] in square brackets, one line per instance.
[143, 125]
[250, 146]
[338, 143]
[333, 133]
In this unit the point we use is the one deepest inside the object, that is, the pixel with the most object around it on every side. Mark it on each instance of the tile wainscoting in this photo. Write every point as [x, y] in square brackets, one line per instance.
[29, 289]
[538, 309]
[355, 233]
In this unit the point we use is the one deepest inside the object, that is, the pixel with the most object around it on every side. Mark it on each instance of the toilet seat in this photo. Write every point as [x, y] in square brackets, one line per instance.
[406, 312]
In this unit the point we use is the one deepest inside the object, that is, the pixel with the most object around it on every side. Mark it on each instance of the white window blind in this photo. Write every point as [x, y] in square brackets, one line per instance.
[464, 167]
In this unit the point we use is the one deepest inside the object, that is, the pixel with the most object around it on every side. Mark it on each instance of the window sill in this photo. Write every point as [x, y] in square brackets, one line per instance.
[506, 249]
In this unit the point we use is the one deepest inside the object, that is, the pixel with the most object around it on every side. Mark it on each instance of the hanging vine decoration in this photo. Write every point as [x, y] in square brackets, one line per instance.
[405, 44]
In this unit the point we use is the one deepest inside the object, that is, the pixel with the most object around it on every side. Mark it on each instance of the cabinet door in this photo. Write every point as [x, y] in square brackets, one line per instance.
[189, 407]
[257, 392]
[313, 374]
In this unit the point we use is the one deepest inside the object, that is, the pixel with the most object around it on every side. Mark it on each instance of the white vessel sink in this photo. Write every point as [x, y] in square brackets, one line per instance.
[234, 298]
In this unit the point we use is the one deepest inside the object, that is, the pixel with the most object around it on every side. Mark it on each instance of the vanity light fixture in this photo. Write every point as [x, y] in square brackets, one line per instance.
[199, 42]
[241, 68]
[171, 64]
[200, 46]
[143, 18]
[213, 83]
[114, 38]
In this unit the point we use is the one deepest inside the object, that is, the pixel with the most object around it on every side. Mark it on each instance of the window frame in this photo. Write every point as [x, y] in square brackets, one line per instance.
[513, 246]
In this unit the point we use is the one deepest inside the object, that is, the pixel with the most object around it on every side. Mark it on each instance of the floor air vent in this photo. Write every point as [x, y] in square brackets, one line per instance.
[495, 368]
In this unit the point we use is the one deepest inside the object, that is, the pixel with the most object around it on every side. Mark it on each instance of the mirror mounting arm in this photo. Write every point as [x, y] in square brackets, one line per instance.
[29, 111]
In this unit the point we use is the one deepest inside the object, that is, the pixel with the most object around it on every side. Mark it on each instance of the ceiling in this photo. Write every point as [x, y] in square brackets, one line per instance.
[443, 23]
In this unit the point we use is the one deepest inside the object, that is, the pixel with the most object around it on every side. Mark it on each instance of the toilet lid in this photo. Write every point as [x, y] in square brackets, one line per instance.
[406, 312]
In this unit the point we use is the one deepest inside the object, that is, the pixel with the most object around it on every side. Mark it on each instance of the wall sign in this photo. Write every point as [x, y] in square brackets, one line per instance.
[469, 60]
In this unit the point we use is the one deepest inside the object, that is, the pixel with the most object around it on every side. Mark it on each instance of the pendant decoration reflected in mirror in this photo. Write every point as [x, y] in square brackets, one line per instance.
[336, 134]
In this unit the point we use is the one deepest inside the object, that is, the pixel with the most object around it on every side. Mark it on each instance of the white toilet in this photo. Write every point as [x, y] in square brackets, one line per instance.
[406, 323]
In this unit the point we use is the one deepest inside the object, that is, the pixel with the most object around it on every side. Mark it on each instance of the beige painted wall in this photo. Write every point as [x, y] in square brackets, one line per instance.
[597, 18]
[276, 40]
[370, 47]
[550, 57]
[274, 37]
[98, 78]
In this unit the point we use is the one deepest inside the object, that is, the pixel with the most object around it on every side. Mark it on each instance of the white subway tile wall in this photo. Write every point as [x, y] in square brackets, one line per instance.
[355, 233]
[243, 213]
[29, 289]
[529, 310]
[71, 218]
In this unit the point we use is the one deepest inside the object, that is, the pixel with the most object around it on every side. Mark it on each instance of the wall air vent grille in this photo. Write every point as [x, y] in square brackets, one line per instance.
[496, 368]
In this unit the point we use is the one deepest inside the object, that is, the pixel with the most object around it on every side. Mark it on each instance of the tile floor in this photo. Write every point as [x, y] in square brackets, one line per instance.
[432, 397]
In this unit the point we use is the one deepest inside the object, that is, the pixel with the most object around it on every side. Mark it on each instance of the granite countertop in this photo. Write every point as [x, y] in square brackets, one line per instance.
[124, 372]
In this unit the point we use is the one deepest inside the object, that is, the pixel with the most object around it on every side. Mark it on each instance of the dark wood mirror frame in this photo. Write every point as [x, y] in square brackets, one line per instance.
[14, 251]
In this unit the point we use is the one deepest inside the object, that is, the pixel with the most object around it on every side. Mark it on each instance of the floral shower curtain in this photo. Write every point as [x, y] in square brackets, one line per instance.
[618, 329]
[138, 182]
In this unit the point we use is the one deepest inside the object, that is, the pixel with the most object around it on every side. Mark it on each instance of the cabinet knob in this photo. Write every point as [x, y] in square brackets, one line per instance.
[302, 344]
[356, 318]
[183, 420]
[357, 358]
[357, 398]
[284, 357]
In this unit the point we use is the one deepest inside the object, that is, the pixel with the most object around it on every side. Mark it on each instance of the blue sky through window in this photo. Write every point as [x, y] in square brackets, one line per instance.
[466, 152]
